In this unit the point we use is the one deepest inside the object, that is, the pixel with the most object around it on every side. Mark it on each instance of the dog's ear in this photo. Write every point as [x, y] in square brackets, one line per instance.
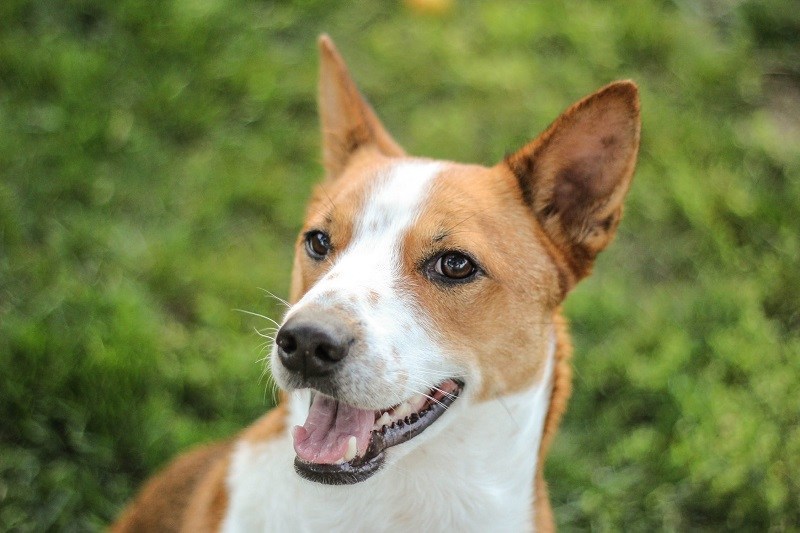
[574, 176]
[348, 121]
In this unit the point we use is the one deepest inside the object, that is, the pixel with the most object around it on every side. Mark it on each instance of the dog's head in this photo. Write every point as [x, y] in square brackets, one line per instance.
[422, 284]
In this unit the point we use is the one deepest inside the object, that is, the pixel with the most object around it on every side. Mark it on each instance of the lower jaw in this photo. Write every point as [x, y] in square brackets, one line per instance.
[341, 474]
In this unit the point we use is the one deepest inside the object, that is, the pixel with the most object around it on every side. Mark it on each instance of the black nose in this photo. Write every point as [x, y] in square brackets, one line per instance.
[312, 347]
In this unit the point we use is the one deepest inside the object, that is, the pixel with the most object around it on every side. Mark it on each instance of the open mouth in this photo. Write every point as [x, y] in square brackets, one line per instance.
[340, 444]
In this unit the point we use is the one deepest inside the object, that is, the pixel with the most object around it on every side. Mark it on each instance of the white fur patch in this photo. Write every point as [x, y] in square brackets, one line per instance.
[393, 357]
[476, 475]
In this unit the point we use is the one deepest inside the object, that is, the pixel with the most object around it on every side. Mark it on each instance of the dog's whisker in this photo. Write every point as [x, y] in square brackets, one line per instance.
[275, 392]
[450, 229]
[414, 391]
[396, 394]
[270, 386]
[327, 196]
[510, 414]
[428, 372]
[264, 335]
[263, 348]
[281, 300]
[258, 315]
[428, 381]
[444, 393]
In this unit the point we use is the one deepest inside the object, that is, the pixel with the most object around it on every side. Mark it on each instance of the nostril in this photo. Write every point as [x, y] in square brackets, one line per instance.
[328, 352]
[286, 342]
[322, 352]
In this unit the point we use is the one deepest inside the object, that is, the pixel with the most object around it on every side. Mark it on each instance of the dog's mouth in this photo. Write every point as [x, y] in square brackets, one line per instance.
[341, 445]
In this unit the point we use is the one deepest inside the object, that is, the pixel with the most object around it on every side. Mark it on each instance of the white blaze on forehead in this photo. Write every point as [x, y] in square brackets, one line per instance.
[371, 262]
[373, 257]
[396, 200]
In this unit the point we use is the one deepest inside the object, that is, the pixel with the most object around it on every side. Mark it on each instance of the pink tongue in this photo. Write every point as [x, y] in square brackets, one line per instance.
[330, 424]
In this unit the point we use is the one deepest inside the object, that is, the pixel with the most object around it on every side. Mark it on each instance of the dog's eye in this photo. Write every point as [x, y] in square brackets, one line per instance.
[318, 244]
[455, 266]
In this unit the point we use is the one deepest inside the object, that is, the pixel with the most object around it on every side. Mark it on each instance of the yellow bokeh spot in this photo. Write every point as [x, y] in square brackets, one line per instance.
[430, 7]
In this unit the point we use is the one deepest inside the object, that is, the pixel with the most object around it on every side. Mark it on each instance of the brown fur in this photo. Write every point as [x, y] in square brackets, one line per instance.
[348, 121]
[162, 503]
[562, 389]
[189, 495]
[576, 174]
[561, 199]
[508, 307]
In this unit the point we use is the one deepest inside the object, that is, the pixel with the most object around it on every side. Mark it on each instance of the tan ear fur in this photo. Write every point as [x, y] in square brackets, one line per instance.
[348, 121]
[575, 175]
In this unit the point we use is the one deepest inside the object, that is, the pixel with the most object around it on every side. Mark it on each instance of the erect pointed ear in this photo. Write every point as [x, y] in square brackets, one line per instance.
[348, 121]
[574, 176]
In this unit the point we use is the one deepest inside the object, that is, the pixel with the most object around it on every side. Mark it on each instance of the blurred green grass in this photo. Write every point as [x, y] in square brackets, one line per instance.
[154, 162]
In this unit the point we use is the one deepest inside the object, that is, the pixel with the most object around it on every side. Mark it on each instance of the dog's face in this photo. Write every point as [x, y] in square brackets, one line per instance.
[421, 285]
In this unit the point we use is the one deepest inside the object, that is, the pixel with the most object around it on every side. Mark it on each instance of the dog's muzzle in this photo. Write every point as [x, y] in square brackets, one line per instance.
[340, 443]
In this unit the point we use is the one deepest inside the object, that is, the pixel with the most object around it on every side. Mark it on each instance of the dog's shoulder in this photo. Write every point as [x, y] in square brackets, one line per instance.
[190, 493]
[162, 502]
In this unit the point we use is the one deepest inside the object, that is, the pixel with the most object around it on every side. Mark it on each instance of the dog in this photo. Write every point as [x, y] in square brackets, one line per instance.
[424, 360]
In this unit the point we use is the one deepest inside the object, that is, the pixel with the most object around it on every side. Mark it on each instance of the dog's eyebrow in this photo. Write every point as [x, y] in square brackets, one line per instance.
[442, 235]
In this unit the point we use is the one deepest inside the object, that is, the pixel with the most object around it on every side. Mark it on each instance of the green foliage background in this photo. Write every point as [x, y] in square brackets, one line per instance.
[155, 158]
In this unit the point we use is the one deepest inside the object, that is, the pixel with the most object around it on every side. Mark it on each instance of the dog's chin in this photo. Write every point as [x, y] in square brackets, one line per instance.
[393, 426]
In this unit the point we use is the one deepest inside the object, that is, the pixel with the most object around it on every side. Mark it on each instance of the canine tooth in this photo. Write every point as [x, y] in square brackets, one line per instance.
[402, 410]
[383, 420]
[413, 418]
[417, 402]
[351, 448]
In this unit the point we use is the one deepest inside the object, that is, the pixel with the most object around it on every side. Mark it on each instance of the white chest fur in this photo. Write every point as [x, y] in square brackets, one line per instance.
[477, 474]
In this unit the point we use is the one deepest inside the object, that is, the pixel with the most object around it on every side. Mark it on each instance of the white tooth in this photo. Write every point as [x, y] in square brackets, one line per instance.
[384, 420]
[417, 402]
[351, 448]
[402, 411]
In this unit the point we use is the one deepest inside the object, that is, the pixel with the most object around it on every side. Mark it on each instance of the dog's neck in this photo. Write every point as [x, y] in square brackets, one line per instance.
[477, 474]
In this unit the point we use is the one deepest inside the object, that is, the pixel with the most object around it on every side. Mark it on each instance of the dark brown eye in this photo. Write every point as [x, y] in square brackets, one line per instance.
[455, 265]
[318, 244]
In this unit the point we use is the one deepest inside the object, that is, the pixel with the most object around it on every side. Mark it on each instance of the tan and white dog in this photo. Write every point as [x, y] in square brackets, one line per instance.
[424, 359]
